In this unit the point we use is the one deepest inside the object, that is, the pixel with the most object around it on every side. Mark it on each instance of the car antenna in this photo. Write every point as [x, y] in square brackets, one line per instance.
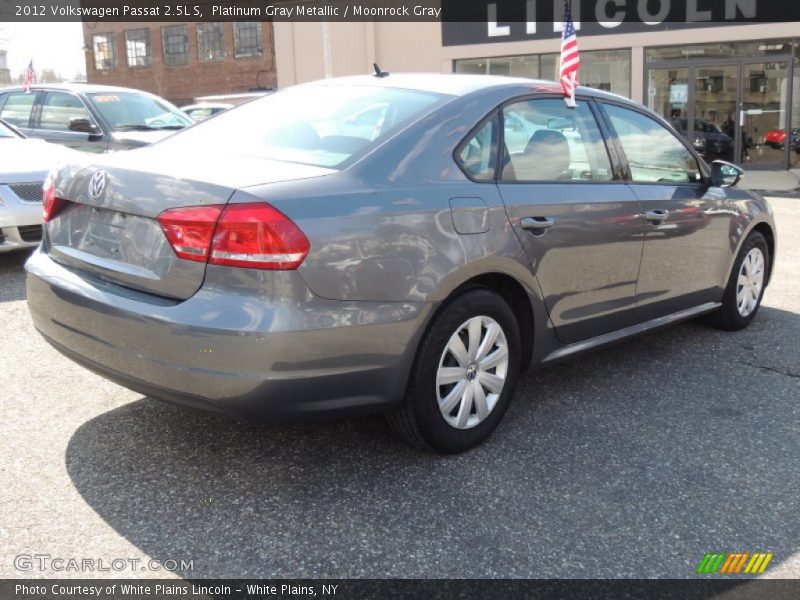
[378, 71]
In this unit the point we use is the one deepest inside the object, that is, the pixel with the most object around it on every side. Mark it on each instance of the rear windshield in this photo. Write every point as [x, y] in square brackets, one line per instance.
[320, 125]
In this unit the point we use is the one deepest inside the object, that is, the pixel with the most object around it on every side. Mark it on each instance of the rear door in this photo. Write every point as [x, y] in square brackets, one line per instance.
[17, 108]
[580, 224]
[687, 223]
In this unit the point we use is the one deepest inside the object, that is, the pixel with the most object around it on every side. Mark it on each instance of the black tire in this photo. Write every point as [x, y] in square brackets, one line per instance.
[727, 317]
[419, 420]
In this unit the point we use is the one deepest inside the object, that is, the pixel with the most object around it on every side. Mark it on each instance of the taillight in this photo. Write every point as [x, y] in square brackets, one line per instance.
[190, 230]
[255, 236]
[258, 236]
[50, 202]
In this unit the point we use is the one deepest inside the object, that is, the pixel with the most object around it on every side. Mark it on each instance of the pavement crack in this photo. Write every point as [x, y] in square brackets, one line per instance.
[771, 369]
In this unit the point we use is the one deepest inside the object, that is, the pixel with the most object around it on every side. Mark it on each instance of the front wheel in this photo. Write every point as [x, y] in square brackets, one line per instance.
[746, 285]
[463, 376]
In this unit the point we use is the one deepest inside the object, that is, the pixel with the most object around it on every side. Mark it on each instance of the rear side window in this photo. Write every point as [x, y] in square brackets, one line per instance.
[477, 155]
[546, 141]
[17, 108]
[59, 109]
[654, 154]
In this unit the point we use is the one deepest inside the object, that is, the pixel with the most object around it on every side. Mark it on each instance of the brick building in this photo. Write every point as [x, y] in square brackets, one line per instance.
[181, 61]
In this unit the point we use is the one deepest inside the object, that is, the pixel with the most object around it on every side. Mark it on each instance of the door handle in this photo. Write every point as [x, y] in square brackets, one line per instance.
[656, 215]
[537, 225]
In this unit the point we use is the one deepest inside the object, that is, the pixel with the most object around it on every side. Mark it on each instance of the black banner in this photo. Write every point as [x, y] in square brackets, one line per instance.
[608, 16]
[430, 589]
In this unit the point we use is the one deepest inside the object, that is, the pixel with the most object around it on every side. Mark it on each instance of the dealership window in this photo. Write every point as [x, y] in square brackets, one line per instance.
[608, 70]
[247, 39]
[137, 47]
[105, 51]
[721, 50]
[210, 41]
[176, 44]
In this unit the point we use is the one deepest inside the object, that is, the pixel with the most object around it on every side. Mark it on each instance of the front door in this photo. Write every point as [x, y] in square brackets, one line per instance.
[686, 241]
[581, 229]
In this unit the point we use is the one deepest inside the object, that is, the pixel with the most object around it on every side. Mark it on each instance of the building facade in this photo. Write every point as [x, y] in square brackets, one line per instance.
[5, 73]
[181, 61]
[732, 89]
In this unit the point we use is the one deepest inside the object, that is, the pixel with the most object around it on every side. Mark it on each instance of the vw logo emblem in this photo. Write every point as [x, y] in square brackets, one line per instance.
[97, 184]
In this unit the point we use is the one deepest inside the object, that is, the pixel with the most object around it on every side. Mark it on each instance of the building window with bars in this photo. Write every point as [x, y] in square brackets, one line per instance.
[247, 39]
[137, 48]
[211, 41]
[175, 40]
[105, 52]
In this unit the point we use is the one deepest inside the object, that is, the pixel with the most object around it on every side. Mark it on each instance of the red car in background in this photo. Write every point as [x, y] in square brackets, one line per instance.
[776, 138]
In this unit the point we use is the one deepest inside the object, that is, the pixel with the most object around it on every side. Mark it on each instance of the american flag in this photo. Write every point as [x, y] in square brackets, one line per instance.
[570, 58]
[30, 77]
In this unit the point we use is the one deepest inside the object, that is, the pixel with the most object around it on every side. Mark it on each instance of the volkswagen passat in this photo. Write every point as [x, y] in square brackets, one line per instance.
[273, 263]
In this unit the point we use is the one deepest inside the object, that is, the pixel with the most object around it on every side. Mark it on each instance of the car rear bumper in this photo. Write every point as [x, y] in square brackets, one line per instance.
[254, 354]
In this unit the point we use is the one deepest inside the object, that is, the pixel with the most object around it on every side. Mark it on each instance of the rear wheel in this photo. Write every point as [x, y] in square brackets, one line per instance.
[746, 285]
[463, 376]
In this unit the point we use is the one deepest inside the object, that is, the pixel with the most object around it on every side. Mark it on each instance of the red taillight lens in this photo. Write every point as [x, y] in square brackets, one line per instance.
[50, 202]
[254, 236]
[190, 230]
[258, 236]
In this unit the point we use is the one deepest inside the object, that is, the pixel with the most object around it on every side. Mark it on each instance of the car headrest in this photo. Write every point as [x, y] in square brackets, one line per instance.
[546, 157]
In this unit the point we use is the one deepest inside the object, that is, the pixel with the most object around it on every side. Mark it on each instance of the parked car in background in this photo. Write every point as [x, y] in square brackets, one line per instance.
[92, 118]
[204, 110]
[709, 140]
[262, 264]
[24, 164]
[235, 99]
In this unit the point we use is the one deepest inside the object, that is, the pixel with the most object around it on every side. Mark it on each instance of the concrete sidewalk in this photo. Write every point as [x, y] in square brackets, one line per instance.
[771, 181]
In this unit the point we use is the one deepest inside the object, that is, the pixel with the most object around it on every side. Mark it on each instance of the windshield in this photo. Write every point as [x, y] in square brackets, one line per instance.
[320, 125]
[126, 111]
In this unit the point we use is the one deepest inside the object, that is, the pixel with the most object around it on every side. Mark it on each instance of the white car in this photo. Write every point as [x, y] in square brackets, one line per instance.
[204, 110]
[24, 164]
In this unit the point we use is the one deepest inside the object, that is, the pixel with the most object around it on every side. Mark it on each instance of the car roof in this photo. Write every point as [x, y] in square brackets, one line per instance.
[458, 84]
[73, 87]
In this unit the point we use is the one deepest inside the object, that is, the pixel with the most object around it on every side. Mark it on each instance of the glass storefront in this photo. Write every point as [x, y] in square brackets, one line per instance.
[731, 101]
[608, 70]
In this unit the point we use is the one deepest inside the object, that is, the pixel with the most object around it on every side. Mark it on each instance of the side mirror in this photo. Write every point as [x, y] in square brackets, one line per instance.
[725, 174]
[83, 126]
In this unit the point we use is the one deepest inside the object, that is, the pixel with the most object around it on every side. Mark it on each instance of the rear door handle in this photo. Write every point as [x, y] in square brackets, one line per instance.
[537, 224]
[656, 215]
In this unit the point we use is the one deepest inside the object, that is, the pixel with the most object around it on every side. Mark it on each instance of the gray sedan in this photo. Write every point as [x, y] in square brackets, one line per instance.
[292, 268]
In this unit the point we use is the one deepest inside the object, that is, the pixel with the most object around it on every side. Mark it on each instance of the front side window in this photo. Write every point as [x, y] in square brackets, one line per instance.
[247, 39]
[546, 141]
[317, 125]
[137, 48]
[105, 51]
[210, 41]
[17, 108]
[654, 154]
[477, 156]
[59, 109]
[176, 44]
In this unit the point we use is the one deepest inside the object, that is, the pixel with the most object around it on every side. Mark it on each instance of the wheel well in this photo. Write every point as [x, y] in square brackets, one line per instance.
[516, 296]
[767, 232]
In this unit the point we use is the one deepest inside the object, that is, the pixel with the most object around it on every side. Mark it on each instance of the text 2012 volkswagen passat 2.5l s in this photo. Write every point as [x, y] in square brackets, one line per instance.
[400, 244]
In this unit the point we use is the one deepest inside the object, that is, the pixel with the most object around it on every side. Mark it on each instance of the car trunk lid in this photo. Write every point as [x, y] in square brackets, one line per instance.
[109, 225]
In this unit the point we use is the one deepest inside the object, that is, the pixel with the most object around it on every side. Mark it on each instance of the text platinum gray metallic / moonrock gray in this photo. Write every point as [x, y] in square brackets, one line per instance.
[403, 244]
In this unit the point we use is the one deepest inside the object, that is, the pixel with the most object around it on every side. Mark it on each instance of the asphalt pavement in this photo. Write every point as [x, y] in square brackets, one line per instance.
[630, 462]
